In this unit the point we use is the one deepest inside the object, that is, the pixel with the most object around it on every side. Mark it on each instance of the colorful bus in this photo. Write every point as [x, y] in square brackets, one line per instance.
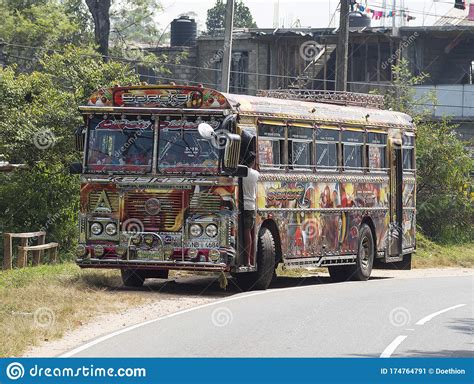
[163, 168]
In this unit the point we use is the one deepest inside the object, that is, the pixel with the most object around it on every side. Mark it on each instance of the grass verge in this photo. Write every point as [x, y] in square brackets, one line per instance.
[42, 303]
[432, 255]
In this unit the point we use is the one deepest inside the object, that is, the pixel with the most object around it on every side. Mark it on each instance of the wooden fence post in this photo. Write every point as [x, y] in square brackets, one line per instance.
[7, 251]
[22, 254]
[38, 254]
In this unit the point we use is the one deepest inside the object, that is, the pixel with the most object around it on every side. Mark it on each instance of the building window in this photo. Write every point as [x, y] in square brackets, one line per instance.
[327, 141]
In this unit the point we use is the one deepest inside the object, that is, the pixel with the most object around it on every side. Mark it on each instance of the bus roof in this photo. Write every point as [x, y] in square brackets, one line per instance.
[148, 99]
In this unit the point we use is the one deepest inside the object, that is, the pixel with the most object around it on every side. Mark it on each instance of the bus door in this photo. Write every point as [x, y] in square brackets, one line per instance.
[395, 231]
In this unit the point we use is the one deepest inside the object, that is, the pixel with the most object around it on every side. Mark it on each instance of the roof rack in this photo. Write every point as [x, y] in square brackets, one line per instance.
[330, 97]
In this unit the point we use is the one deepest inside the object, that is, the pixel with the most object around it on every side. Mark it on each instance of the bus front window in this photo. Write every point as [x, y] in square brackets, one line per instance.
[184, 150]
[120, 145]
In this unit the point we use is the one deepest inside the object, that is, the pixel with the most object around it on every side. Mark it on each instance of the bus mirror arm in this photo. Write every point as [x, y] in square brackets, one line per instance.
[75, 168]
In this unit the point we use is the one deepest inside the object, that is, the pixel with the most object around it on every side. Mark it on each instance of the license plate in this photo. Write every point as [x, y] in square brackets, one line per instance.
[151, 255]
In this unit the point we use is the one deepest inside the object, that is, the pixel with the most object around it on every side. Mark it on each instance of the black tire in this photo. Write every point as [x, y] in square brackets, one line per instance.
[156, 274]
[340, 273]
[261, 279]
[132, 278]
[365, 255]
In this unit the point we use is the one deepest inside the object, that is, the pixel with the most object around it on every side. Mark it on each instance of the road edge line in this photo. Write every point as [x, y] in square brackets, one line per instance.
[387, 352]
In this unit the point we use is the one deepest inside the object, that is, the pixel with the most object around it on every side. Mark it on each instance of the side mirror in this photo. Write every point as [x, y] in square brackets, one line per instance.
[75, 168]
[241, 171]
[230, 161]
[80, 138]
[206, 131]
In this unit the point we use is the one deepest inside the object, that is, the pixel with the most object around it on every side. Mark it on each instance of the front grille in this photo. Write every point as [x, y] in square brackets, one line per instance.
[205, 203]
[170, 217]
[112, 198]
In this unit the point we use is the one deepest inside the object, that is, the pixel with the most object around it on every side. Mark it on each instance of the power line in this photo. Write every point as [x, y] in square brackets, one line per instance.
[123, 59]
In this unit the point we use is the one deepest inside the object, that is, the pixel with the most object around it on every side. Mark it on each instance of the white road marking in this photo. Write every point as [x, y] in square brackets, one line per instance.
[233, 298]
[425, 319]
[132, 327]
[387, 352]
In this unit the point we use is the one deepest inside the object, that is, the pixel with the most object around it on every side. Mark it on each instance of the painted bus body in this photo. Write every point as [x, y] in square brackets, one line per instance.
[324, 171]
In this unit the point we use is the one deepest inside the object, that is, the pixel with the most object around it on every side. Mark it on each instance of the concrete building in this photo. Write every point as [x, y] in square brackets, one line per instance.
[306, 58]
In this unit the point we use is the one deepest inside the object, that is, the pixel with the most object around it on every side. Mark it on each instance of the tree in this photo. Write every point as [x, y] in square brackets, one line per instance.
[216, 17]
[38, 115]
[31, 28]
[445, 210]
[99, 10]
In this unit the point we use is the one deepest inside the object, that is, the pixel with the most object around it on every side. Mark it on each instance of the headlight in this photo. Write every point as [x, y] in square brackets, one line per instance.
[195, 230]
[211, 230]
[111, 229]
[96, 229]
[148, 239]
[136, 239]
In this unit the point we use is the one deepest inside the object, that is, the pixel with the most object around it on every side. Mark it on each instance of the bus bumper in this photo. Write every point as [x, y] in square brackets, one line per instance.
[180, 259]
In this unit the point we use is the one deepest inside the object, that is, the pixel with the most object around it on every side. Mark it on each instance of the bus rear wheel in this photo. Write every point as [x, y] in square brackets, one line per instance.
[340, 273]
[365, 255]
[261, 279]
[361, 270]
[132, 278]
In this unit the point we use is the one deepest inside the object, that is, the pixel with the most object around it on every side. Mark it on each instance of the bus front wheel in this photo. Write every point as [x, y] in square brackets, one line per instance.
[265, 264]
[132, 278]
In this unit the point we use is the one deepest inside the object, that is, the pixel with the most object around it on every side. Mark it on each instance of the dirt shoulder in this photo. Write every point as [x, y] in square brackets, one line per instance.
[163, 298]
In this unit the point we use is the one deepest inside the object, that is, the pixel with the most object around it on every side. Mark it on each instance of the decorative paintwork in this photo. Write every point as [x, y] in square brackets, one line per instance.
[158, 97]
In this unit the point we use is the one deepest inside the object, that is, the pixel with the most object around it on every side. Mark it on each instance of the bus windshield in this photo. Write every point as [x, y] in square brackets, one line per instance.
[120, 145]
[184, 150]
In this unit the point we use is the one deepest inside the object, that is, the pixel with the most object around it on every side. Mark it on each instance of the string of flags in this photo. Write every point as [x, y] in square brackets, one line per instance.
[377, 14]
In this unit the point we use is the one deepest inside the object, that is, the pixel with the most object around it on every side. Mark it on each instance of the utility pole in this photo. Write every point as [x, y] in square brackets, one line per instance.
[226, 60]
[342, 49]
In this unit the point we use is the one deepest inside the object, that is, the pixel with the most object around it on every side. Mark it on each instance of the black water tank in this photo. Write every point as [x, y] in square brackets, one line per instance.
[358, 20]
[183, 32]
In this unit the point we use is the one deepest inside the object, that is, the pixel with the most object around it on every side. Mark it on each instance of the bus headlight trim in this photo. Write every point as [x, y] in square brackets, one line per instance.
[214, 255]
[98, 250]
[195, 230]
[211, 230]
[111, 229]
[96, 228]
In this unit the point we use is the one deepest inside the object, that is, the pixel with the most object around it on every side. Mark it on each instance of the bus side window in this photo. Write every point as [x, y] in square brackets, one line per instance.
[376, 151]
[408, 152]
[271, 142]
[352, 146]
[327, 141]
[300, 147]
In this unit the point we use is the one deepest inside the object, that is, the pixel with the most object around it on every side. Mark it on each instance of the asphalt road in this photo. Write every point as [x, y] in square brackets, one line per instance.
[419, 317]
